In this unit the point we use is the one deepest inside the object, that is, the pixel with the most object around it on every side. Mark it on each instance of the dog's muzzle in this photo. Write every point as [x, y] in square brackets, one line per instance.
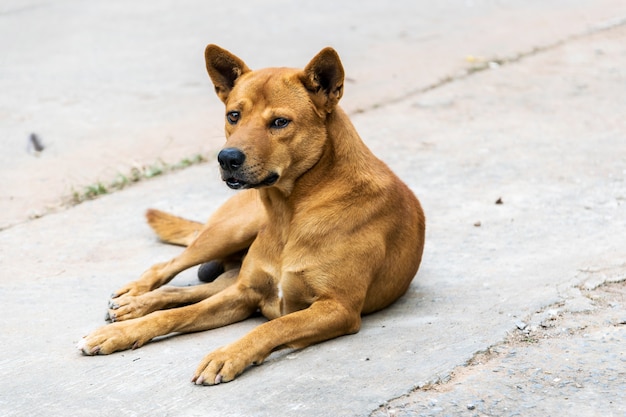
[231, 159]
[234, 172]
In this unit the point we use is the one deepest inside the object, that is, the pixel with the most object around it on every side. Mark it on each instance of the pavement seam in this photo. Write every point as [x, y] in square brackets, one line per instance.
[496, 62]
[135, 175]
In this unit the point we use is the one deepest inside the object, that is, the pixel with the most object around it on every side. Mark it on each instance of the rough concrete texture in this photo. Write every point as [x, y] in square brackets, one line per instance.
[567, 361]
[506, 119]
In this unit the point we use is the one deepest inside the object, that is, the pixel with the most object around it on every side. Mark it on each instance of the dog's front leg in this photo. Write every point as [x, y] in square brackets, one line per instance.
[323, 320]
[233, 304]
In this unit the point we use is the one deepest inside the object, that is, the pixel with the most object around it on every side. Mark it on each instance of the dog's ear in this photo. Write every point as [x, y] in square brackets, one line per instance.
[224, 68]
[323, 77]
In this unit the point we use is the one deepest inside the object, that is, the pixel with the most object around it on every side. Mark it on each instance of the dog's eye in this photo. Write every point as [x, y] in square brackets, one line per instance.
[232, 117]
[280, 123]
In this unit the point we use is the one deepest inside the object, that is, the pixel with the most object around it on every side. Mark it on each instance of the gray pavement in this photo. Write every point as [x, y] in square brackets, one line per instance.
[109, 86]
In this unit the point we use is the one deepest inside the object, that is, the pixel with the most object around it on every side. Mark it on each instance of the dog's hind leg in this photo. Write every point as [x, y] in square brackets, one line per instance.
[231, 229]
[168, 297]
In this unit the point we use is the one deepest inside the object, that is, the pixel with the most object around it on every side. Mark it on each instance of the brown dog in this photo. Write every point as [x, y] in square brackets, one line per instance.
[330, 232]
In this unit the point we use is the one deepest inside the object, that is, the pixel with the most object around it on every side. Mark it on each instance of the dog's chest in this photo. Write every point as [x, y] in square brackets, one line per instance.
[288, 287]
[288, 252]
[290, 270]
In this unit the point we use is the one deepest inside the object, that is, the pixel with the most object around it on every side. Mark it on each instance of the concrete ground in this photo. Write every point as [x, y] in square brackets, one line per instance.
[506, 119]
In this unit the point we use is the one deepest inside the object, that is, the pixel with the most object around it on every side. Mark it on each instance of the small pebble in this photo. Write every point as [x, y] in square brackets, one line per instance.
[553, 313]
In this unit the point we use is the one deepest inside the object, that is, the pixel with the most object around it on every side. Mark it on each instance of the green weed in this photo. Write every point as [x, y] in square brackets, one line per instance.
[135, 175]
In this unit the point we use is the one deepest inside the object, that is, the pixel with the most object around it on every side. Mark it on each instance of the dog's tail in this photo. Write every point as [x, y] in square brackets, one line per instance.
[173, 229]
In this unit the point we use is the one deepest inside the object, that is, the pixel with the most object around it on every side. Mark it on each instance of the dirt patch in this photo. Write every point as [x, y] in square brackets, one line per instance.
[607, 308]
[559, 358]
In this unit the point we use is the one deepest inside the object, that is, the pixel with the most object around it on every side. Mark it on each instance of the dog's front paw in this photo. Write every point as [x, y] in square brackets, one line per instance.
[223, 365]
[108, 339]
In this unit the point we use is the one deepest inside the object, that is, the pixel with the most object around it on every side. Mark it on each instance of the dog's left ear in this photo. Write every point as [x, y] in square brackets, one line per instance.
[323, 77]
[224, 68]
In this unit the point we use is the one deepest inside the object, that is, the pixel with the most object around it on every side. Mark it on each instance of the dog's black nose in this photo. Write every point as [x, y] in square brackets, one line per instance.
[231, 159]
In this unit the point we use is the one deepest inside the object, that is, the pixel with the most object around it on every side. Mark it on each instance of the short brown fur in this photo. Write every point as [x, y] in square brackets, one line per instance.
[330, 232]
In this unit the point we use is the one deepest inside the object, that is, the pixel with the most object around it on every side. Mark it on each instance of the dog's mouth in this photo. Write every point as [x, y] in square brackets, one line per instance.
[235, 184]
[238, 184]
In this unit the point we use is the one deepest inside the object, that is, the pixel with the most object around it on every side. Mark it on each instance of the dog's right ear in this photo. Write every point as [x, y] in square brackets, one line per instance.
[224, 68]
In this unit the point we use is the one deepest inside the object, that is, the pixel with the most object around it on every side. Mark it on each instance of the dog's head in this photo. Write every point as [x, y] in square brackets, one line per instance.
[275, 117]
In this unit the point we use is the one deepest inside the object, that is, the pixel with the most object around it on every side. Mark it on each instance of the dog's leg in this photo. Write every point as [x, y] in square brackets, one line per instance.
[232, 228]
[233, 304]
[169, 297]
[323, 320]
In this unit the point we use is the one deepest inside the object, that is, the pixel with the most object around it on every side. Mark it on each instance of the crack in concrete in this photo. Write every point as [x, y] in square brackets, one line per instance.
[547, 319]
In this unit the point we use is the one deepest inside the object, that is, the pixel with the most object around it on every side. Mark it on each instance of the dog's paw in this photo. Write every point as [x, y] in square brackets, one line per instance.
[128, 307]
[109, 339]
[84, 346]
[217, 367]
[133, 288]
[220, 366]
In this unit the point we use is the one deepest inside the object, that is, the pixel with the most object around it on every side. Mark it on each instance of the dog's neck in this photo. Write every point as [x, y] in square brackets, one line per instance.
[345, 156]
